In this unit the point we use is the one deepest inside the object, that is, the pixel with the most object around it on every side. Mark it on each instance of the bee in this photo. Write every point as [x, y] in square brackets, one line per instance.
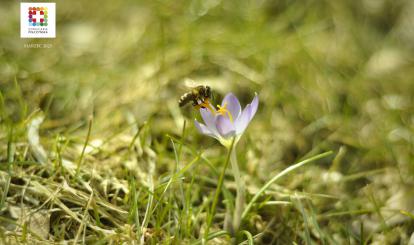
[197, 95]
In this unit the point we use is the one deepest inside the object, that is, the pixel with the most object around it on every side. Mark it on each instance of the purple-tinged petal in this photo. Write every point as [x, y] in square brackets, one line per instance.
[232, 105]
[254, 105]
[243, 120]
[209, 119]
[225, 127]
[203, 129]
[247, 115]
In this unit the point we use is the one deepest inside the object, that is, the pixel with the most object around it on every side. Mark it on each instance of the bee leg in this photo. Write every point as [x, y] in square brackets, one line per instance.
[196, 105]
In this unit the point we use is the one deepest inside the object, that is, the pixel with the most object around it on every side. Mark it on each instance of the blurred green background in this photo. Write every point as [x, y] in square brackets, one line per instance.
[330, 75]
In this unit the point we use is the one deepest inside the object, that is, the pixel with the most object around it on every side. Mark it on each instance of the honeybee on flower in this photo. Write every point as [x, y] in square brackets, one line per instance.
[228, 120]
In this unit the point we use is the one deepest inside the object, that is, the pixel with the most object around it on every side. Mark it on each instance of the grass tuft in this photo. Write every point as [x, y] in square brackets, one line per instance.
[331, 76]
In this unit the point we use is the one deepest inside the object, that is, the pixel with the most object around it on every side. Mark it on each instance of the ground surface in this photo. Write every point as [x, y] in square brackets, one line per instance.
[330, 75]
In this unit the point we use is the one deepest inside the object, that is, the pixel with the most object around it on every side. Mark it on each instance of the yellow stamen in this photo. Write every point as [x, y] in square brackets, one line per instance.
[223, 111]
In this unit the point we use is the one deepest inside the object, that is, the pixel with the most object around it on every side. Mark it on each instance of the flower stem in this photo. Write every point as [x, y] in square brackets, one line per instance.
[240, 191]
[217, 194]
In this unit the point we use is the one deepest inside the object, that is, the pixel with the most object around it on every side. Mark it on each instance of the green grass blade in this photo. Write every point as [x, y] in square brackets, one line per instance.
[280, 175]
[249, 237]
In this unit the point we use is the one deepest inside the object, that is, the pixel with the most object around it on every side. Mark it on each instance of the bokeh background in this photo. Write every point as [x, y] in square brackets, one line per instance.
[330, 75]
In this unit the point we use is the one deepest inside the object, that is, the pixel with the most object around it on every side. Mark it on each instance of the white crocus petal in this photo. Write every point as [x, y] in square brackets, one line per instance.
[254, 106]
[209, 119]
[247, 115]
[232, 104]
[225, 127]
[202, 128]
[243, 120]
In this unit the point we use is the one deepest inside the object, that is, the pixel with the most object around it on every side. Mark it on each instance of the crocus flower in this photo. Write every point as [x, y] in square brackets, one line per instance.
[228, 121]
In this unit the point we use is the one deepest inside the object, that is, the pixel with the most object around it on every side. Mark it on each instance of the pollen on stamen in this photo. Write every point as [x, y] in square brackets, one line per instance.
[223, 111]
[205, 104]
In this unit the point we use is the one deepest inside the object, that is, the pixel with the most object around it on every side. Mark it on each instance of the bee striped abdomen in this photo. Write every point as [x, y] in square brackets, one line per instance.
[185, 98]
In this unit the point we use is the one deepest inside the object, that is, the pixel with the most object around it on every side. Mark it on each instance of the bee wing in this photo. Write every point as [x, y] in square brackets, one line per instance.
[190, 83]
[186, 86]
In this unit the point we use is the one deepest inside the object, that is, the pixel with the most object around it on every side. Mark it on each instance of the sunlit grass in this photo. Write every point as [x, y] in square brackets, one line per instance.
[94, 148]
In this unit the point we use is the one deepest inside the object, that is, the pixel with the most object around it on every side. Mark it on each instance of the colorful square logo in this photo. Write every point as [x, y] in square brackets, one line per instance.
[37, 20]
[37, 16]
